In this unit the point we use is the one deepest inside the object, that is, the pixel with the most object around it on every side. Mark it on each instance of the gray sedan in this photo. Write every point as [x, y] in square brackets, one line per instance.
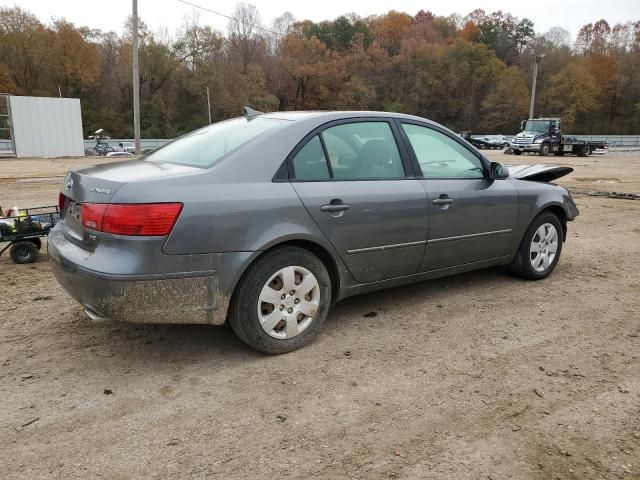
[266, 220]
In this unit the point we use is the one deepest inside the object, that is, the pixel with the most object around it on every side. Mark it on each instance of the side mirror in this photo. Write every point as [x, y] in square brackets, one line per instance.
[522, 124]
[498, 171]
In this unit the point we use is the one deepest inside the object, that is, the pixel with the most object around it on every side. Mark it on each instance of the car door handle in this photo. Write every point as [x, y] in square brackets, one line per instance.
[335, 207]
[442, 201]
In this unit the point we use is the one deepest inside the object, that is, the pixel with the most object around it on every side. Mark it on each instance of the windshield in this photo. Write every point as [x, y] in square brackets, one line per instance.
[203, 147]
[538, 125]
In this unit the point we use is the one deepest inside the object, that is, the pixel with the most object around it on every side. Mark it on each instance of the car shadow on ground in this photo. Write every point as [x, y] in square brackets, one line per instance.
[141, 344]
[437, 290]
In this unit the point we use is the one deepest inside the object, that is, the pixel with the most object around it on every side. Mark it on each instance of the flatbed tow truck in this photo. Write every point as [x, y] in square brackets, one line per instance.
[544, 136]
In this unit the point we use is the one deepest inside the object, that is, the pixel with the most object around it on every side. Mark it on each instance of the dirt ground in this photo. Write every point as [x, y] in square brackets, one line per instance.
[475, 376]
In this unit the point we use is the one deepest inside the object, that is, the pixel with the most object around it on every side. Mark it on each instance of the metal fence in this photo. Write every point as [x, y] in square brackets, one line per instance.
[114, 142]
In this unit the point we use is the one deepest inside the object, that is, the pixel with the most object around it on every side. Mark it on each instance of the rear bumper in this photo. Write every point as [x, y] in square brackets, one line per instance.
[526, 147]
[174, 297]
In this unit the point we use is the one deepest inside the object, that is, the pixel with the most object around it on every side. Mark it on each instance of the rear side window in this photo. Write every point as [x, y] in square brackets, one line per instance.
[310, 163]
[362, 150]
[203, 147]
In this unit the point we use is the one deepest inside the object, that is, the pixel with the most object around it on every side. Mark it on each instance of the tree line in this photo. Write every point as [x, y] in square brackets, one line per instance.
[468, 73]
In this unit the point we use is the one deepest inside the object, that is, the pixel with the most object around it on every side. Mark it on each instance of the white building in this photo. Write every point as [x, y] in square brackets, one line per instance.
[40, 127]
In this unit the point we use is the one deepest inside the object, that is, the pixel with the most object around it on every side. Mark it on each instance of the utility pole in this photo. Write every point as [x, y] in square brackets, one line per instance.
[536, 60]
[209, 104]
[136, 80]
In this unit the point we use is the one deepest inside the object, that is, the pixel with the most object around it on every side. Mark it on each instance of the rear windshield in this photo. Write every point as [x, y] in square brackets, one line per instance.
[207, 145]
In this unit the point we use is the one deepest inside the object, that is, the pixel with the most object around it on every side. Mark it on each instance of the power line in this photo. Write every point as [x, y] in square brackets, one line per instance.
[231, 18]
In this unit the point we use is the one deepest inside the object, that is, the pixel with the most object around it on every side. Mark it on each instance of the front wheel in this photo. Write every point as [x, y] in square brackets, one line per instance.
[544, 150]
[540, 249]
[282, 301]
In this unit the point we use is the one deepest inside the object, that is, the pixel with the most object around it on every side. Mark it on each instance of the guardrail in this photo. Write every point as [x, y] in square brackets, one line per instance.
[612, 140]
[144, 143]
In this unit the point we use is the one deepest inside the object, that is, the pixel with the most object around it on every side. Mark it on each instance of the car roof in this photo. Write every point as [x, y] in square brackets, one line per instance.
[264, 154]
[322, 116]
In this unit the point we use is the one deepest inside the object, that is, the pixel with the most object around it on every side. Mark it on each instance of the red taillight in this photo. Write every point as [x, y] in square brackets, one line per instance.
[91, 215]
[130, 219]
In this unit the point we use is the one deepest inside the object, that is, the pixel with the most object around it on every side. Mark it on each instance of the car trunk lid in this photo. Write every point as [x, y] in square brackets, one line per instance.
[99, 184]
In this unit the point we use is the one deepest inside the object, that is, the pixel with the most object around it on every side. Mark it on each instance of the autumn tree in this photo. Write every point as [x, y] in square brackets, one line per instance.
[471, 32]
[389, 30]
[506, 104]
[572, 95]
[314, 69]
[24, 50]
[469, 73]
[339, 33]
[77, 66]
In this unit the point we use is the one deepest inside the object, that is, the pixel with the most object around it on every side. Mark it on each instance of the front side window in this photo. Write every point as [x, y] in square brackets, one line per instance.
[203, 147]
[363, 150]
[440, 156]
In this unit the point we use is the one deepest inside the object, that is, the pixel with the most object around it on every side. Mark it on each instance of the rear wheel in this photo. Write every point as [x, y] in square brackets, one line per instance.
[584, 151]
[24, 252]
[540, 249]
[282, 301]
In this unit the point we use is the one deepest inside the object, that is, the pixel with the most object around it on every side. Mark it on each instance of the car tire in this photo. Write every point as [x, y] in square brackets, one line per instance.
[24, 252]
[545, 148]
[269, 278]
[517, 152]
[529, 263]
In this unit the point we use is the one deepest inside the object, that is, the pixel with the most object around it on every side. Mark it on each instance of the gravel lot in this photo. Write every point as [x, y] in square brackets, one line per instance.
[480, 375]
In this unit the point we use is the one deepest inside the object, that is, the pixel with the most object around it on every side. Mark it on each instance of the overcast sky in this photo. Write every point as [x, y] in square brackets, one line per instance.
[110, 15]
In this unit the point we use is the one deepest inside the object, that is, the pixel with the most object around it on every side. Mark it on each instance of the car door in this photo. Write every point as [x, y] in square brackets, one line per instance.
[471, 218]
[353, 180]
